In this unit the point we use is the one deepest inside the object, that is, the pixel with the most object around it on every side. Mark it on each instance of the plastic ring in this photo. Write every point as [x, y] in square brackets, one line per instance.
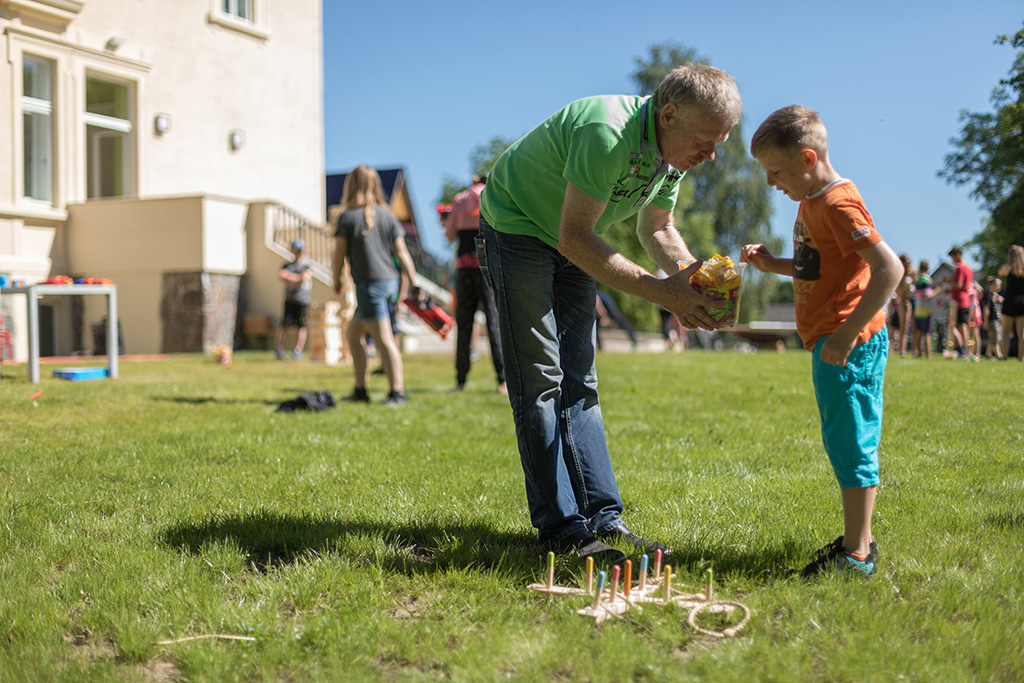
[725, 633]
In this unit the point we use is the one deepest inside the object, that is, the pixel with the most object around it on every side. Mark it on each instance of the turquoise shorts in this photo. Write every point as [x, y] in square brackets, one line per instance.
[850, 405]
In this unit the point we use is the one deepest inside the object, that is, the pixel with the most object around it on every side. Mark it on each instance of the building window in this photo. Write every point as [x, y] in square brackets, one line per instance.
[109, 138]
[37, 112]
[242, 16]
[240, 9]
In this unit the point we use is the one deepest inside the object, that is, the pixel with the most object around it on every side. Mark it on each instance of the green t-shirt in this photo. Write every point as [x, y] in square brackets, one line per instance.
[605, 146]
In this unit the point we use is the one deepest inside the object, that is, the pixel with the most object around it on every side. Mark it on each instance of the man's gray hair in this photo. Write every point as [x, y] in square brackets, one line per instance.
[695, 85]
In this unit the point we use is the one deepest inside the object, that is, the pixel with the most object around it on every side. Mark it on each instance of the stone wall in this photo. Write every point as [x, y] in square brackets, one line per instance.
[198, 311]
[220, 309]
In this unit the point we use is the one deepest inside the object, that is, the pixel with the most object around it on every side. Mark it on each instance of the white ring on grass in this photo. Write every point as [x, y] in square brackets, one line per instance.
[691, 619]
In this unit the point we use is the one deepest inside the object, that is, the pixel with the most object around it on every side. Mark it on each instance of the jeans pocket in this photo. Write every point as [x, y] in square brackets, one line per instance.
[481, 256]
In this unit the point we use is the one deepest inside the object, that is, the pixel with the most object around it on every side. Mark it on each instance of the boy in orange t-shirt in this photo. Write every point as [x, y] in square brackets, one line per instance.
[843, 275]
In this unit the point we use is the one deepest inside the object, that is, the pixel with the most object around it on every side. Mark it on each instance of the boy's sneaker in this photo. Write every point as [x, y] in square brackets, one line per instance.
[279, 353]
[297, 353]
[835, 558]
[395, 399]
[872, 548]
[622, 532]
[358, 395]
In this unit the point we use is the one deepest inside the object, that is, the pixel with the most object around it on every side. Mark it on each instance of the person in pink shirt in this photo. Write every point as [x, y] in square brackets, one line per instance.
[960, 292]
[471, 290]
[974, 320]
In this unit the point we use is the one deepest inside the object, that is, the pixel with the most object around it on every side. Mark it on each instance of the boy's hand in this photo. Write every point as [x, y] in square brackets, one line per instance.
[758, 256]
[836, 348]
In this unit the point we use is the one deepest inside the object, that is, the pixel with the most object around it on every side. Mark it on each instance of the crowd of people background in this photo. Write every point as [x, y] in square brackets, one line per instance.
[970, 317]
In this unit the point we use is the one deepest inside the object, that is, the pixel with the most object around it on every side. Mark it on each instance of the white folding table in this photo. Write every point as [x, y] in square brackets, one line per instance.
[32, 294]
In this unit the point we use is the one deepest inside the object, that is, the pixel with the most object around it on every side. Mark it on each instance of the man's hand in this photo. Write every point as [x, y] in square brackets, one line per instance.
[690, 306]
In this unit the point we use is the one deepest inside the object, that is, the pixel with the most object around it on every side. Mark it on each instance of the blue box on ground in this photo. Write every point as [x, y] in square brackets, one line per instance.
[80, 374]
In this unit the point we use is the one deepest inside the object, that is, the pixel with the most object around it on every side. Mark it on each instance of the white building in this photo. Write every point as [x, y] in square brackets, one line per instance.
[172, 146]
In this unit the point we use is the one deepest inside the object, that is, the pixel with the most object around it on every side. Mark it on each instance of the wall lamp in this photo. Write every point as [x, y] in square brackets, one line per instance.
[161, 123]
[236, 140]
[113, 43]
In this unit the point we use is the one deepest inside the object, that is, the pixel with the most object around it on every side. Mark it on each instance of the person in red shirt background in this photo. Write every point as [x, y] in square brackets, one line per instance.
[960, 293]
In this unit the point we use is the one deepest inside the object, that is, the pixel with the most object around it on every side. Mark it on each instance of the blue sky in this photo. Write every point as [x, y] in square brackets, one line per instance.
[419, 85]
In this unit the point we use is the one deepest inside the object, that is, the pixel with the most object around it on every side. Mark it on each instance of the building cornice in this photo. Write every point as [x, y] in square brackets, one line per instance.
[50, 39]
[59, 11]
[30, 212]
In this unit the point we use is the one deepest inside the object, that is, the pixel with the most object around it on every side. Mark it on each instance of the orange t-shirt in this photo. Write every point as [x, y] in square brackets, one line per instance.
[829, 277]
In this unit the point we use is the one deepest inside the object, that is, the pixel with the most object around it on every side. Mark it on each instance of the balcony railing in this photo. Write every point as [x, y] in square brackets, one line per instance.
[289, 225]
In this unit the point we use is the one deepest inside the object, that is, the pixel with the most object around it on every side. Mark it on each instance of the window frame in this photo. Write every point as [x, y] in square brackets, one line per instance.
[240, 10]
[32, 106]
[226, 18]
[105, 126]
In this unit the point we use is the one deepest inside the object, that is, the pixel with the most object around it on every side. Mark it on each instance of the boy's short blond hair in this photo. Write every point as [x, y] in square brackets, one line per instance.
[790, 129]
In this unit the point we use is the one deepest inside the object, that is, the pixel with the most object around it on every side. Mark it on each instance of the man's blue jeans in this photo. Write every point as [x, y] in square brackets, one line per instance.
[546, 314]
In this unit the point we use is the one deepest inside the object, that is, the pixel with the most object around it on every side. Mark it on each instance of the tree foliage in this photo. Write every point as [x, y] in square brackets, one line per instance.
[481, 160]
[722, 204]
[989, 154]
[483, 157]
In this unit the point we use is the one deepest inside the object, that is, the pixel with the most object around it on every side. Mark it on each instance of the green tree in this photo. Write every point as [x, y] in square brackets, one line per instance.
[481, 160]
[730, 191]
[450, 186]
[722, 205]
[483, 157]
[990, 156]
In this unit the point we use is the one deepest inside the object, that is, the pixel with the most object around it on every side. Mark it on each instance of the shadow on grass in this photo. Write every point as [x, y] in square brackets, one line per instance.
[771, 563]
[1006, 520]
[271, 540]
[202, 400]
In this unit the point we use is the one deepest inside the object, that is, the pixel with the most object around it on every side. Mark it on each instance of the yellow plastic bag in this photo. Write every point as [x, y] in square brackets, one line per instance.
[720, 279]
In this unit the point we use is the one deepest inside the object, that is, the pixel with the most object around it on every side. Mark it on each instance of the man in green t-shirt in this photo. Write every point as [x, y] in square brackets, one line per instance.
[548, 199]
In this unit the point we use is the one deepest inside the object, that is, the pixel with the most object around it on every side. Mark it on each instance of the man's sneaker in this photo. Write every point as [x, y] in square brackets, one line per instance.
[584, 546]
[395, 399]
[621, 532]
[358, 395]
[297, 352]
[279, 353]
[835, 558]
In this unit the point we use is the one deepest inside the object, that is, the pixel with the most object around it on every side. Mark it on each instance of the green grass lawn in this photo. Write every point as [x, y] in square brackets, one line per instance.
[363, 543]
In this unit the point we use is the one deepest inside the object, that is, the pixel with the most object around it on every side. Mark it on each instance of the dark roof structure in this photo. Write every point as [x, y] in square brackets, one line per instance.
[397, 195]
[391, 179]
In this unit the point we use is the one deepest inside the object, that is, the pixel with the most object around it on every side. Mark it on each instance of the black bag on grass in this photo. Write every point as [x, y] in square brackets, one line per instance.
[319, 400]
